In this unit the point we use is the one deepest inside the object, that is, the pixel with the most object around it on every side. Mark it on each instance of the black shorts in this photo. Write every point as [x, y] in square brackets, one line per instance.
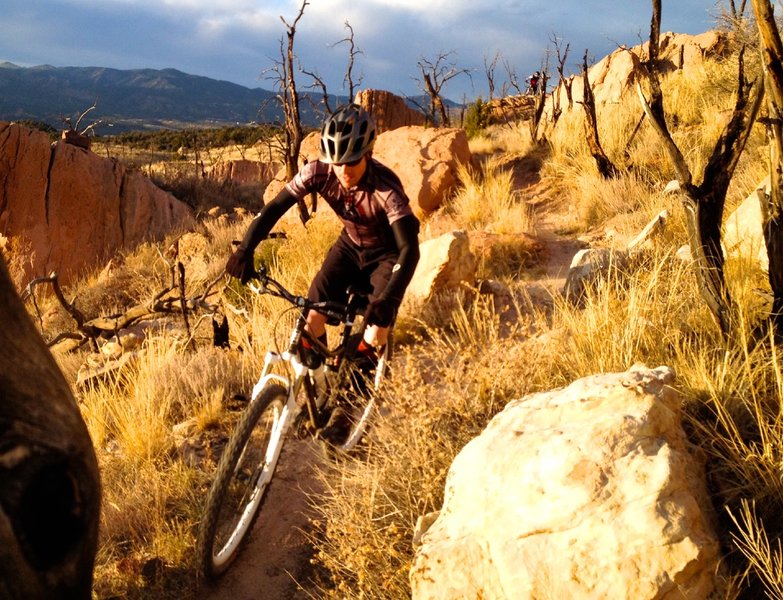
[347, 264]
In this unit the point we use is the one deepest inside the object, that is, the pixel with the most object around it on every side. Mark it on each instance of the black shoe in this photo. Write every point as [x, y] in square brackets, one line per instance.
[338, 427]
[310, 357]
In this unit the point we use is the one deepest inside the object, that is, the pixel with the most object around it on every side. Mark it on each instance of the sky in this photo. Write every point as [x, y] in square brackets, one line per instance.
[240, 40]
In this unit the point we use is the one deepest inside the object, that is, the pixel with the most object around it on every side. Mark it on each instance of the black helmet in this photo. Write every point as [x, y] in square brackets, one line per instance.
[347, 135]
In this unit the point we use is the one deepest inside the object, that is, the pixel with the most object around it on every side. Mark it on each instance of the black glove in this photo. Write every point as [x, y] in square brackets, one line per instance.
[381, 312]
[240, 265]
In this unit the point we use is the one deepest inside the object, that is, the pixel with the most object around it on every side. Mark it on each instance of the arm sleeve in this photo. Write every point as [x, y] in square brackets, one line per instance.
[262, 224]
[406, 235]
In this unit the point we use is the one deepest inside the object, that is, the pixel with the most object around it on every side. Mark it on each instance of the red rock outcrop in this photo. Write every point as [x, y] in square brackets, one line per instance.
[390, 111]
[71, 208]
[511, 108]
[424, 158]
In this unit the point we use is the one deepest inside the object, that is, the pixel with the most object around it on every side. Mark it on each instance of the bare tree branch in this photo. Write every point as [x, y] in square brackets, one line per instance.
[489, 71]
[434, 76]
[704, 204]
[605, 166]
[772, 205]
[353, 52]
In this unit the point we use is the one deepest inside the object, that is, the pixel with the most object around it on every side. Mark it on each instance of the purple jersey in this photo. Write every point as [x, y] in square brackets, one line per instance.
[366, 210]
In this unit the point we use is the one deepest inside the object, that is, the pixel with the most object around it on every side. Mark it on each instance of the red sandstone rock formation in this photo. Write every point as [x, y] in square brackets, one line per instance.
[390, 111]
[72, 209]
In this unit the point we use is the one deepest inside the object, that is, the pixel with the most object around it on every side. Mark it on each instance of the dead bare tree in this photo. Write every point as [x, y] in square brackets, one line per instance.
[434, 75]
[772, 204]
[49, 481]
[704, 203]
[737, 12]
[348, 80]
[353, 52]
[171, 300]
[513, 78]
[605, 166]
[288, 98]
[562, 56]
[489, 71]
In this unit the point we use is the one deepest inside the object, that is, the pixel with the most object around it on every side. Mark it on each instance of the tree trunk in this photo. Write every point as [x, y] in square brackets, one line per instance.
[703, 219]
[605, 166]
[49, 485]
[772, 206]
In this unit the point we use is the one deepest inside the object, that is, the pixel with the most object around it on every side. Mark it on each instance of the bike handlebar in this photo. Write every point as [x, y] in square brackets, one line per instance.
[334, 310]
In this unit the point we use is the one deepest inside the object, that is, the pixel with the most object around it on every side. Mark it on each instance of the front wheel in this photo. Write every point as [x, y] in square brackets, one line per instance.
[365, 402]
[243, 475]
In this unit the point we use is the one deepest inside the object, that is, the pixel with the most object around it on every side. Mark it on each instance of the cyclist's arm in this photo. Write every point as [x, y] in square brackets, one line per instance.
[262, 224]
[406, 235]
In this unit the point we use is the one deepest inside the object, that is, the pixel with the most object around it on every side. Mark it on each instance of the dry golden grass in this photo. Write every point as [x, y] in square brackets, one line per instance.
[486, 200]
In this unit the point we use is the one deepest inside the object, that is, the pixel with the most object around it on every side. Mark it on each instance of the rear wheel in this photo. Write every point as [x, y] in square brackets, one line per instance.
[243, 475]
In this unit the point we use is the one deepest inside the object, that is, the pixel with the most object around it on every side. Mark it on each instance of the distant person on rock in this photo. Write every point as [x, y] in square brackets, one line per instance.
[533, 82]
[378, 247]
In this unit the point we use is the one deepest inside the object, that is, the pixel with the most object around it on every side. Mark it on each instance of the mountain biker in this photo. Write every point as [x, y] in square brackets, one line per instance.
[533, 81]
[378, 245]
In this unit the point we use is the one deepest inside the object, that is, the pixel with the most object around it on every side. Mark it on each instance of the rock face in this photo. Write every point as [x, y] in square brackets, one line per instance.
[390, 111]
[69, 208]
[509, 108]
[586, 492]
[614, 75]
[424, 159]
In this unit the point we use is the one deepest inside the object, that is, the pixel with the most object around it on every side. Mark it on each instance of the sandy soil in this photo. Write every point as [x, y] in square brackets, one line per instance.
[277, 556]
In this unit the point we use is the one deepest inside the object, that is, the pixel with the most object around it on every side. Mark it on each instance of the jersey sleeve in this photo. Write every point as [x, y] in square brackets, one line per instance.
[310, 178]
[397, 206]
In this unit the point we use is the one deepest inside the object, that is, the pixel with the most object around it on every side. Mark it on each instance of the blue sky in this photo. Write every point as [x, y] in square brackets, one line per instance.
[237, 40]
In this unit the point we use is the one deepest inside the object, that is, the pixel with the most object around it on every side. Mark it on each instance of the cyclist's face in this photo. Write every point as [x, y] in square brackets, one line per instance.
[349, 174]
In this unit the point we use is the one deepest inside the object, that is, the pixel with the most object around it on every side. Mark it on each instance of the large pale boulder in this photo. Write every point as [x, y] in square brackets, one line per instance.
[69, 209]
[743, 234]
[425, 159]
[586, 492]
[445, 263]
[389, 110]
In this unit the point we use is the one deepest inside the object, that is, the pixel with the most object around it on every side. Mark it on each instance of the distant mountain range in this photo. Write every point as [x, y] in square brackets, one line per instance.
[136, 99]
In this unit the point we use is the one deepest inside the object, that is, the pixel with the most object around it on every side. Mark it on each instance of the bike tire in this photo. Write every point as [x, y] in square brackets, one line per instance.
[242, 478]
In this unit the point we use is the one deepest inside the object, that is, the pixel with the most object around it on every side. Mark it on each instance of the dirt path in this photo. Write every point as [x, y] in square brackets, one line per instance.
[275, 564]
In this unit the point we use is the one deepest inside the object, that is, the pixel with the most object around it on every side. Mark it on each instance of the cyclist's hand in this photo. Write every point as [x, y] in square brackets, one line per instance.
[380, 312]
[240, 265]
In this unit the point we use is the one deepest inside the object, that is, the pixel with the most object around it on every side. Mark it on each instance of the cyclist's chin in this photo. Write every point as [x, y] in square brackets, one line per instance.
[348, 182]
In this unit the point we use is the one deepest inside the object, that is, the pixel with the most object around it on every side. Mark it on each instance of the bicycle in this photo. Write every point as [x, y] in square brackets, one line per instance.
[300, 397]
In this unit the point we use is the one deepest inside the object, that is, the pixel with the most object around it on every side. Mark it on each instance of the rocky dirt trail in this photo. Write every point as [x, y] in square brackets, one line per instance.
[275, 564]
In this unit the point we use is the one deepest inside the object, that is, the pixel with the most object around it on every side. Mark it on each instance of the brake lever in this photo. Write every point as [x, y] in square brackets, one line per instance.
[262, 278]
